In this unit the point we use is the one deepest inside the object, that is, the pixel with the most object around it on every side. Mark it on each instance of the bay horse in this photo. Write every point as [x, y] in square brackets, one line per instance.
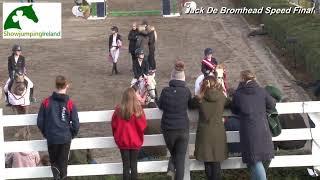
[18, 91]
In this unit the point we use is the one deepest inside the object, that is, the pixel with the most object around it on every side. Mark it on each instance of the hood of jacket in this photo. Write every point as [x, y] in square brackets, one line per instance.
[248, 87]
[60, 97]
[177, 83]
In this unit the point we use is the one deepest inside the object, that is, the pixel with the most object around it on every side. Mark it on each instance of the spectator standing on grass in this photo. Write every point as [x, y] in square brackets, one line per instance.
[133, 37]
[174, 102]
[128, 125]
[59, 123]
[250, 103]
[211, 140]
[23, 159]
[115, 43]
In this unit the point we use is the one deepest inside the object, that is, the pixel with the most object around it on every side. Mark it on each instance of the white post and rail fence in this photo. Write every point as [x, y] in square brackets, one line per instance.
[312, 108]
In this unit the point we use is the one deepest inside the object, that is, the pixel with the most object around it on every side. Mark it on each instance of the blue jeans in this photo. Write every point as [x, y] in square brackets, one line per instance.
[257, 171]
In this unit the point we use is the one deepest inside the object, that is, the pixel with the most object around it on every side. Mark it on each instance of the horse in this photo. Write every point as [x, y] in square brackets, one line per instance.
[219, 73]
[18, 93]
[12, 22]
[147, 86]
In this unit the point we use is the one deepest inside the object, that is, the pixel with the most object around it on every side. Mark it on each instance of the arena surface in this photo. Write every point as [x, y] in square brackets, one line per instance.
[81, 55]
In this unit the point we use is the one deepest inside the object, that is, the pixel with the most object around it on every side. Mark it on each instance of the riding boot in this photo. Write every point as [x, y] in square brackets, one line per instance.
[32, 99]
[113, 69]
[7, 99]
[116, 69]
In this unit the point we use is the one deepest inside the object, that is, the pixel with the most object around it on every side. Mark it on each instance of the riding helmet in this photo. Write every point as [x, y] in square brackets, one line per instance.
[208, 51]
[16, 48]
[114, 28]
[138, 51]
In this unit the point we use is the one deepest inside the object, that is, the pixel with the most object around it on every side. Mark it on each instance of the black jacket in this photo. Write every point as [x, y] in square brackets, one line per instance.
[250, 103]
[152, 41]
[58, 119]
[132, 37]
[111, 38]
[143, 42]
[140, 70]
[16, 67]
[174, 102]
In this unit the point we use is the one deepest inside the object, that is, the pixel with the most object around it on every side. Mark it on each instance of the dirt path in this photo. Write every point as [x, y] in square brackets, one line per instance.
[81, 56]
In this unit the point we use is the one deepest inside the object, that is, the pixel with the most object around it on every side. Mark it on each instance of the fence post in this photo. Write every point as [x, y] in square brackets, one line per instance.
[315, 117]
[187, 166]
[2, 155]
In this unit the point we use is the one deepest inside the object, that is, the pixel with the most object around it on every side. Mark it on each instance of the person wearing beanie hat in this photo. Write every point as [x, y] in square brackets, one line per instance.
[174, 101]
[178, 72]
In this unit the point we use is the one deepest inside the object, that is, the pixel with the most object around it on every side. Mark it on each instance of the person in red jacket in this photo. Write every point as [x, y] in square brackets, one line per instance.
[128, 125]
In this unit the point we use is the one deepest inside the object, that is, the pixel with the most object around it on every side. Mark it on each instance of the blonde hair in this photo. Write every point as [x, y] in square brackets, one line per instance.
[247, 75]
[210, 82]
[130, 105]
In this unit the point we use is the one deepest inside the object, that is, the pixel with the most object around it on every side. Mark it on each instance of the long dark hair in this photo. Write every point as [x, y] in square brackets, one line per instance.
[209, 82]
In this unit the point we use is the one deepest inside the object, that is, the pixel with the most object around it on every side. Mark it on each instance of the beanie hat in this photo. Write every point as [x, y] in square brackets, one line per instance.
[178, 71]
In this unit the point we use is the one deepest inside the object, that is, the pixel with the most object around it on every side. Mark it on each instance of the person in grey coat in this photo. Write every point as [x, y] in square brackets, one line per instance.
[250, 103]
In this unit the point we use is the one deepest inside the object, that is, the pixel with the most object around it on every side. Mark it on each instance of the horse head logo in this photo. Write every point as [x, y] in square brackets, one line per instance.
[12, 21]
[189, 6]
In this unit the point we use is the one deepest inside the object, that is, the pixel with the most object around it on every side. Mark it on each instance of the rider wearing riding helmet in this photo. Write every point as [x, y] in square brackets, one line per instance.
[16, 64]
[209, 63]
[141, 65]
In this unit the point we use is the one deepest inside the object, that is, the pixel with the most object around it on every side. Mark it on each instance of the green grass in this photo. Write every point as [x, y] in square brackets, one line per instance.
[305, 28]
[237, 174]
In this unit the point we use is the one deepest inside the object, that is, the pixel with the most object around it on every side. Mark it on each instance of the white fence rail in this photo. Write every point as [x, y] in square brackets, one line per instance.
[311, 107]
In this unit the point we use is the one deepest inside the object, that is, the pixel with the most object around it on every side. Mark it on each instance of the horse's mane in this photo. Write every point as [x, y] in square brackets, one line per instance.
[220, 66]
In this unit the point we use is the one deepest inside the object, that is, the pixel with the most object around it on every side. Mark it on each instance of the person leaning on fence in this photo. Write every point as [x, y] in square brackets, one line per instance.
[59, 123]
[174, 102]
[23, 159]
[211, 140]
[251, 102]
[115, 43]
[128, 125]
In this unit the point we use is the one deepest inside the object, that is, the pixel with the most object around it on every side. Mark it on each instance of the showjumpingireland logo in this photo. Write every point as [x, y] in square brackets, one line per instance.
[13, 20]
[32, 21]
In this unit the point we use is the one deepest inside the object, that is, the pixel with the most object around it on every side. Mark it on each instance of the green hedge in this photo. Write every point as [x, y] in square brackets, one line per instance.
[305, 28]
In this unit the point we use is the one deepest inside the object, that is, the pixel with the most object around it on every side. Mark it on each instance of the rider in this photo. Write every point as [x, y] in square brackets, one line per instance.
[141, 66]
[209, 63]
[16, 64]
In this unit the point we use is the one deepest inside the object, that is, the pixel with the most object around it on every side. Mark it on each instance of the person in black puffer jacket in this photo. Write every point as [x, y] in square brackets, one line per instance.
[174, 102]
